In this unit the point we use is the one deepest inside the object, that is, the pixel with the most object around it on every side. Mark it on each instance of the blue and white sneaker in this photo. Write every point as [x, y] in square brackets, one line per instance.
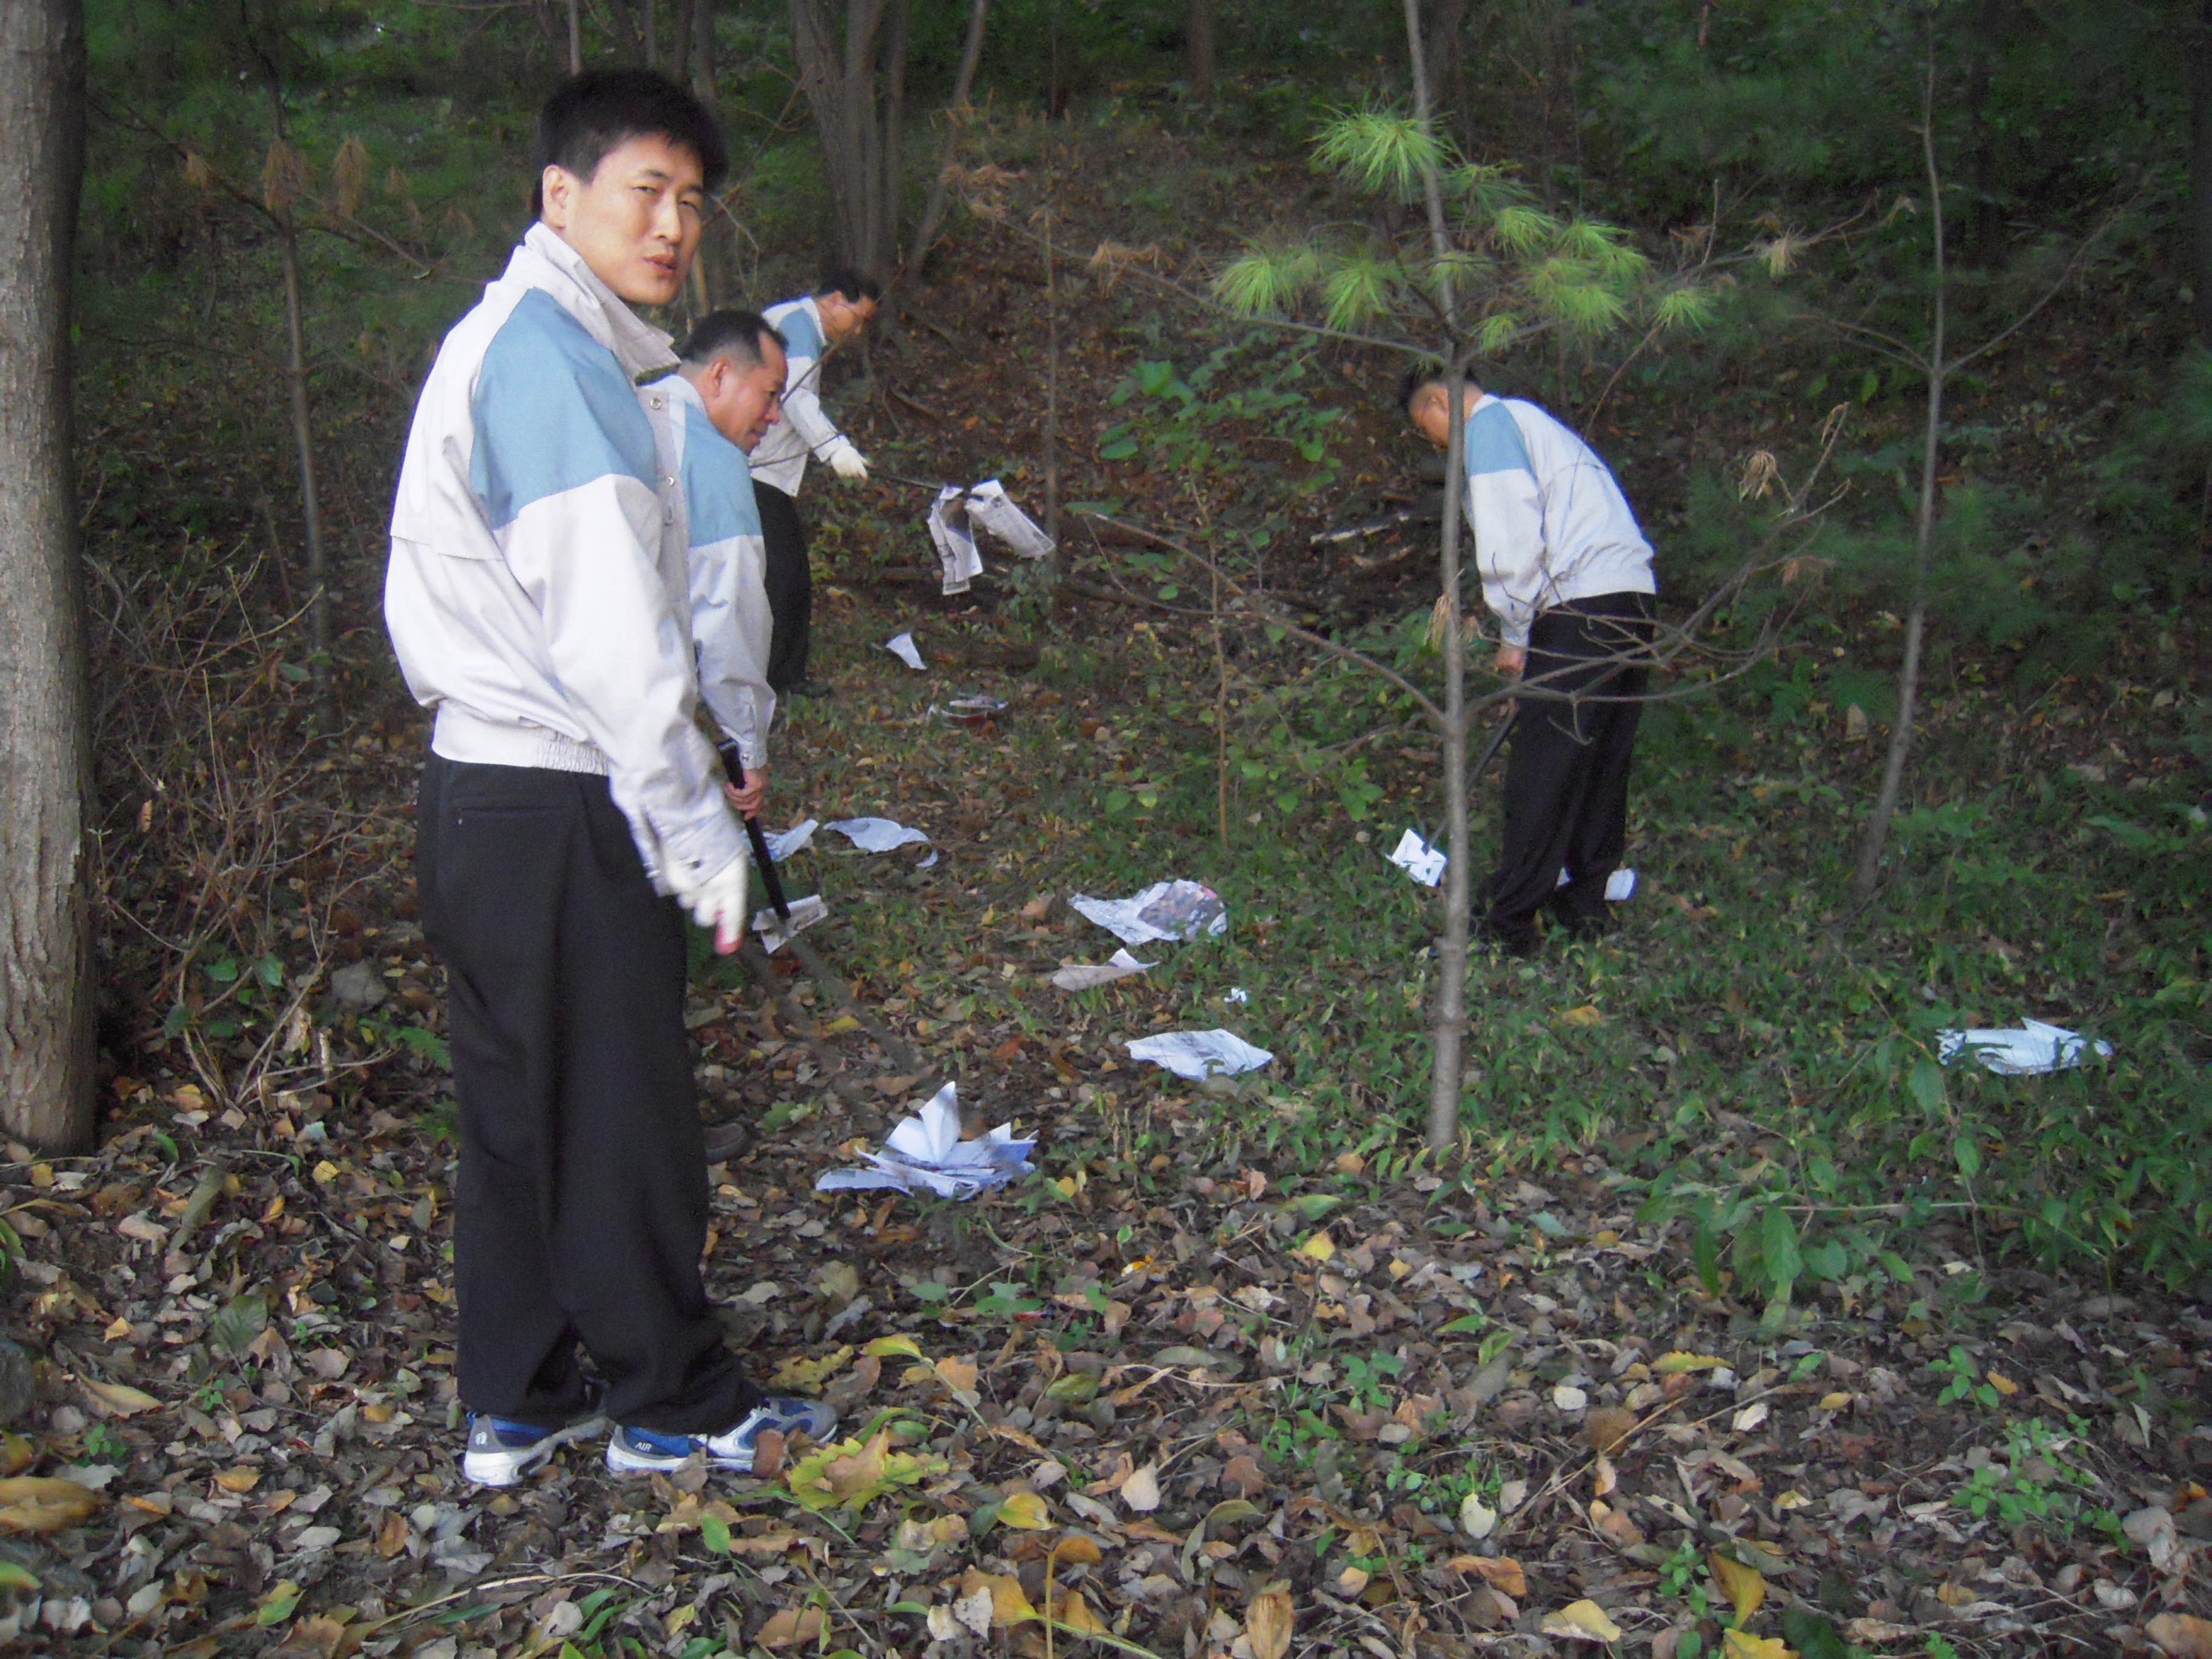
[644, 1451]
[501, 1450]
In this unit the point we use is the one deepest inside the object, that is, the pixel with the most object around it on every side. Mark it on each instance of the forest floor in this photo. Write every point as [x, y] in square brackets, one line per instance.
[1242, 1371]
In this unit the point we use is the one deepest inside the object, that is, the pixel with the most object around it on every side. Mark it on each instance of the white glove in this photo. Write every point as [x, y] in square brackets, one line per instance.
[847, 462]
[721, 901]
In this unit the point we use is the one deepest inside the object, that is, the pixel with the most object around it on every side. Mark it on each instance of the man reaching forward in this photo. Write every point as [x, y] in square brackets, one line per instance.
[536, 607]
[1569, 575]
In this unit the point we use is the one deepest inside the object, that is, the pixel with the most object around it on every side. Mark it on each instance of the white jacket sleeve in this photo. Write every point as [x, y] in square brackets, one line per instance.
[730, 628]
[564, 460]
[1506, 511]
[802, 406]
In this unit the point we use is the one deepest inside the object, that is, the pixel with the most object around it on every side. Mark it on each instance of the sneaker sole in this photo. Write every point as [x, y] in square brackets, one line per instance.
[622, 1461]
[505, 1469]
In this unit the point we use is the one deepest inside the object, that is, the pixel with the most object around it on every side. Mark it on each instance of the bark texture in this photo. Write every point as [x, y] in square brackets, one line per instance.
[855, 81]
[956, 109]
[45, 854]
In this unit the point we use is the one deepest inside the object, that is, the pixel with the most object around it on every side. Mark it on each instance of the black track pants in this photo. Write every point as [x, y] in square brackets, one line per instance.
[790, 588]
[1566, 782]
[581, 1207]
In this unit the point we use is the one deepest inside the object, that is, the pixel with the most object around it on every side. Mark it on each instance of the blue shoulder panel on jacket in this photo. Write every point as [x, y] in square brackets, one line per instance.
[554, 411]
[802, 336]
[718, 484]
[1494, 443]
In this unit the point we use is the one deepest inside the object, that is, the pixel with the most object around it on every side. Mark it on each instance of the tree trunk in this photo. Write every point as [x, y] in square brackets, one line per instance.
[46, 996]
[1198, 47]
[963, 85]
[1052, 402]
[1447, 1062]
[841, 79]
[649, 34]
[2200, 166]
[679, 42]
[1447, 65]
[1432, 187]
[575, 37]
[1931, 460]
[303, 439]
[702, 54]
[890, 145]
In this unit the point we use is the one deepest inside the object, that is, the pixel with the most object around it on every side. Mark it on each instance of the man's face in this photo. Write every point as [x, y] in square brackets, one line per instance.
[841, 318]
[742, 400]
[636, 220]
[1431, 413]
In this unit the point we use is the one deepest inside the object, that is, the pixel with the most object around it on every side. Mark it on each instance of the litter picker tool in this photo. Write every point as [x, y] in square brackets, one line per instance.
[766, 860]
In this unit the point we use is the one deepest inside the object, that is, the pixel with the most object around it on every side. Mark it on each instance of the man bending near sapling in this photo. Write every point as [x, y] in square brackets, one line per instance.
[838, 311]
[535, 606]
[1568, 573]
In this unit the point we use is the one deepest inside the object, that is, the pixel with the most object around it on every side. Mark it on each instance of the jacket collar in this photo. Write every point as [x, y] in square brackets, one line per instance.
[544, 261]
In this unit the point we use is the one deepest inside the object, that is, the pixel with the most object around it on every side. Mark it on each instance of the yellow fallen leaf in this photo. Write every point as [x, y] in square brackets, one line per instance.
[1834, 1402]
[2002, 1385]
[1673, 1364]
[16, 1454]
[36, 1502]
[1321, 1247]
[1741, 1644]
[1617, 1529]
[1269, 1621]
[884, 1347]
[1500, 1572]
[1076, 1550]
[2182, 1636]
[1010, 1604]
[243, 1478]
[791, 1625]
[1581, 1621]
[1027, 1511]
[958, 1375]
[1745, 1586]
[1585, 1015]
[1073, 1612]
[801, 1374]
[1141, 1491]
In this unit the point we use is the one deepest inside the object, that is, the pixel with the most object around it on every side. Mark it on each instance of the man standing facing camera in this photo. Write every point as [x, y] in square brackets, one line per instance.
[1568, 573]
[836, 311]
[535, 606]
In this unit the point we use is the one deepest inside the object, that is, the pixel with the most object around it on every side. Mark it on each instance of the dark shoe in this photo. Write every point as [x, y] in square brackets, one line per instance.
[728, 1140]
[642, 1451]
[810, 688]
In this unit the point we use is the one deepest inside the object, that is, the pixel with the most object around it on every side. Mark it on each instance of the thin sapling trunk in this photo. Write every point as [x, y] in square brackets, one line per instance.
[1451, 971]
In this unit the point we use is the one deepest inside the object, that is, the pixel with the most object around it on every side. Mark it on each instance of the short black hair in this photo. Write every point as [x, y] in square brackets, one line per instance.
[1417, 379]
[591, 113]
[738, 335]
[849, 285]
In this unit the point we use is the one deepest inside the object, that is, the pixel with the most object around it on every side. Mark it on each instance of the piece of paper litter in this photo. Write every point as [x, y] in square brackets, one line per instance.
[927, 1154]
[1081, 976]
[2027, 1049]
[792, 842]
[1619, 886]
[1197, 1055]
[902, 646]
[878, 835]
[775, 933]
[990, 505]
[1165, 911]
[1423, 862]
[954, 541]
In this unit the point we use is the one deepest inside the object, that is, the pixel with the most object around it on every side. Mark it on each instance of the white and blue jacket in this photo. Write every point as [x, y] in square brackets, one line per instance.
[805, 432]
[1550, 524]
[717, 524]
[536, 597]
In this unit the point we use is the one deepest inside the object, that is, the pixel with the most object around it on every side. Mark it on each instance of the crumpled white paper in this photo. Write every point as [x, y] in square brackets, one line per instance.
[926, 1153]
[902, 646]
[2027, 1049]
[1619, 886]
[1081, 976]
[792, 842]
[1198, 1054]
[775, 933]
[878, 835]
[1165, 911]
[1423, 862]
[953, 517]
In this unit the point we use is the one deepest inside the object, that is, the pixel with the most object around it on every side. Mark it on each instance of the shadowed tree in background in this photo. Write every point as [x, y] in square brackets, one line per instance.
[852, 65]
[45, 875]
[1198, 47]
[956, 111]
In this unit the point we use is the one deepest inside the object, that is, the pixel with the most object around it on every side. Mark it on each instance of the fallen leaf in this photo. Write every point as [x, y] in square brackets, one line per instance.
[1751, 1416]
[1244, 1474]
[1269, 1622]
[1141, 1491]
[122, 1400]
[1745, 1586]
[2181, 1635]
[1500, 1572]
[1319, 1247]
[1076, 1550]
[768, 1454]
[957, 1375]
[2002, 1383]
[799, 1375]
[1877, 1631]
[1073, 1611]
[852, 1473]
[1476, 1518]
[32, 1502]
[241, 1479]
[1585, 1015]
[1615, 1525]
[885, 1347]
[1010, 1604]
[791, 1625]
[1026, 1512]
[277, 1604]
[1607, 1427]
[1741, 1644]
[1581, 1621]
[392, 1535]
[16, 1454]
[1678, 1362]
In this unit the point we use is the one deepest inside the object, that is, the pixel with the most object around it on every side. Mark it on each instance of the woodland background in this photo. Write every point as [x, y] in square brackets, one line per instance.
[1918, 1347]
